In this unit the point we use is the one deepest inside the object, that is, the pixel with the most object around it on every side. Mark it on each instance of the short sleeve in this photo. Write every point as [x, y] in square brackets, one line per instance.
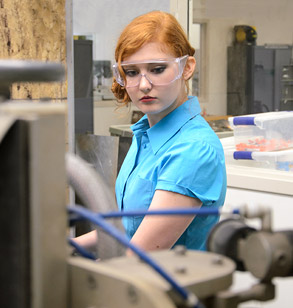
[195, 169]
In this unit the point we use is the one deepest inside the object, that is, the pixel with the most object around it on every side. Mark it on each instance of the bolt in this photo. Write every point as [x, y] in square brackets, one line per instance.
[132, 294]
[92, 282]
[180, 250]
[217, 260]
[180, 269]
[281, 258]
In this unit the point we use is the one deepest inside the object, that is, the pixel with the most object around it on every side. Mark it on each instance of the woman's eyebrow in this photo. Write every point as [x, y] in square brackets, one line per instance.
[127, 66]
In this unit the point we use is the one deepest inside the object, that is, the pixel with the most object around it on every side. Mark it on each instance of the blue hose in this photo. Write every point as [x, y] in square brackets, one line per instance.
[99, 221]
[179, 211]
[81, 250]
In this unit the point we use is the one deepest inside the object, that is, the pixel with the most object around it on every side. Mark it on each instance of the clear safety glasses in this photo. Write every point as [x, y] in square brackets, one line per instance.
[158, 72]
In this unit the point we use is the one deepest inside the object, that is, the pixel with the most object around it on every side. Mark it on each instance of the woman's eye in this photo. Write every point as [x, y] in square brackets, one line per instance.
[131, 73]
[158, 69]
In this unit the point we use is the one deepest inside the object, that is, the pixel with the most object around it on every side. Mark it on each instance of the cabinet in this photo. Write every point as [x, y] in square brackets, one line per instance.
[255, 78]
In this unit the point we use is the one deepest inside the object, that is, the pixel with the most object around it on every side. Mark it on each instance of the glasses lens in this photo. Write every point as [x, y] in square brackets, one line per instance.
[157, 72]
[117, 75]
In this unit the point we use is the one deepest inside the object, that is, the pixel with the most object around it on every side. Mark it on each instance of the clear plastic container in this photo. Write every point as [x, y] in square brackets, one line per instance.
[278, 160]
[270, 131]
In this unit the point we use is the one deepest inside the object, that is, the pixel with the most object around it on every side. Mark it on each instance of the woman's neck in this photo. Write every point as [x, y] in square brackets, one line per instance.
[157, 117]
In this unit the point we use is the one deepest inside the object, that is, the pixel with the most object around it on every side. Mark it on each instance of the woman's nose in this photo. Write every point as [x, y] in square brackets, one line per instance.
[145, 83]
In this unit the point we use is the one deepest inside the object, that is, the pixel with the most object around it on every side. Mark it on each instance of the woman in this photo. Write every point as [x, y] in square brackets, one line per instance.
[175, 160]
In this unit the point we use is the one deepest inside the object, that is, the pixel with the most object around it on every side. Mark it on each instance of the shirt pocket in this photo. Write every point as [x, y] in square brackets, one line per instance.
[138, 196]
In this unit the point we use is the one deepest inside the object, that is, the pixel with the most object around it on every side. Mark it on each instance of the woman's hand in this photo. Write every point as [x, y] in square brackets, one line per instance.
[87, 241]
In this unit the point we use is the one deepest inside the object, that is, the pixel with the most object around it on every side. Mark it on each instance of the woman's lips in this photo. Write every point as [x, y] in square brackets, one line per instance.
[147, 99]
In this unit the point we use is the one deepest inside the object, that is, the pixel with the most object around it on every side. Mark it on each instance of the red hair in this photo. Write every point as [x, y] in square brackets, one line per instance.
[155, 26]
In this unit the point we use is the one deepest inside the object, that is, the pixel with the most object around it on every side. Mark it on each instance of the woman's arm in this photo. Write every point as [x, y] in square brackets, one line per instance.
[162, 232]
[155, 232]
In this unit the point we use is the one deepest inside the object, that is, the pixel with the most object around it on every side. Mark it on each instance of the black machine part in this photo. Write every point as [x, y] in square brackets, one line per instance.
[224, 237]
[264, 254]
[15, 277]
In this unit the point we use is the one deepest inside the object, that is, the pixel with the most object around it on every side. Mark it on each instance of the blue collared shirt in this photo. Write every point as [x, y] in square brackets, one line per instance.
[182, 154]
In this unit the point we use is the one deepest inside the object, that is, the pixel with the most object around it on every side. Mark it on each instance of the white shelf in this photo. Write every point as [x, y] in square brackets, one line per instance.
[258, 179]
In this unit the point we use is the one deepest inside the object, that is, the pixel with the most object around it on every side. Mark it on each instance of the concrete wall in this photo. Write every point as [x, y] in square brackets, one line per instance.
[274, 24]
[34, 29]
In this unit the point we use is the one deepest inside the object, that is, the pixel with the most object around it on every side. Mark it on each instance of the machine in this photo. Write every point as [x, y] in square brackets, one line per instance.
[38, 268]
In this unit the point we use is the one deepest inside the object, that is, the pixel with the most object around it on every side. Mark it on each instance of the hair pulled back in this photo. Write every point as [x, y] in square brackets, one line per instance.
[155, 26]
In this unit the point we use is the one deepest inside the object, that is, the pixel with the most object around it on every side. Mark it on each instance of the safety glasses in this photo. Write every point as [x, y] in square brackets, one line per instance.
[158, 72]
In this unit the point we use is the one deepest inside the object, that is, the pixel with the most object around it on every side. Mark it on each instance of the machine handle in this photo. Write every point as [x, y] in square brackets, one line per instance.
[28, 71]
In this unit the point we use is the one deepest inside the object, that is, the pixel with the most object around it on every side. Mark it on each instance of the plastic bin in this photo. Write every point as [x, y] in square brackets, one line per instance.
[278, 160]
[270, 131]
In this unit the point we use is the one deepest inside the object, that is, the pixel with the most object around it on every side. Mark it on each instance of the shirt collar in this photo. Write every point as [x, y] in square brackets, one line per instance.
[160, 133]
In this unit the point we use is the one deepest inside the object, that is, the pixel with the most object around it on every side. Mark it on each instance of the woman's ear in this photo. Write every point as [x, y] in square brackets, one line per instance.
[189, 68]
